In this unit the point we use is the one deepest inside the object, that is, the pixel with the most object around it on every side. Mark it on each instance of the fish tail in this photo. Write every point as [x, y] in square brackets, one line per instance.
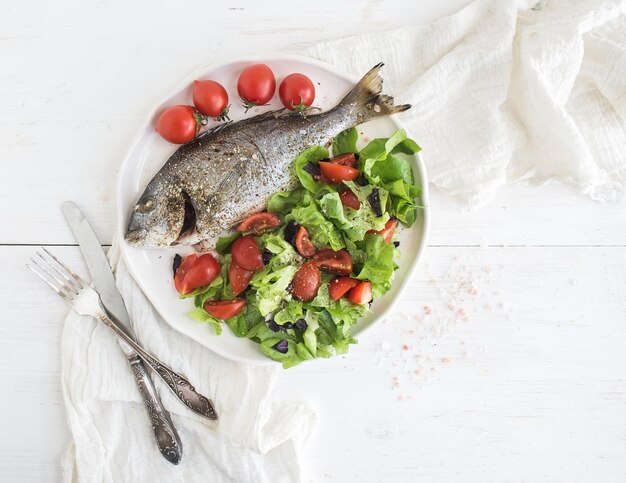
[366, 99]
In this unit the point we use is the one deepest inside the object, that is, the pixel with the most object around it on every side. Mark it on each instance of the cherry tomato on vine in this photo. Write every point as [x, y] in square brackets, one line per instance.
[211, 99]
[256, 85]
[178, 124]
[296, 92]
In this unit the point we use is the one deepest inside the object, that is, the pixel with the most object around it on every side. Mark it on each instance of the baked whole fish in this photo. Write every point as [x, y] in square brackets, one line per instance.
[215, 181]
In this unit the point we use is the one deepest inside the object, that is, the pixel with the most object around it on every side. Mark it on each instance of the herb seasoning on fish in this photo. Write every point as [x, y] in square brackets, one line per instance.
[215, 181]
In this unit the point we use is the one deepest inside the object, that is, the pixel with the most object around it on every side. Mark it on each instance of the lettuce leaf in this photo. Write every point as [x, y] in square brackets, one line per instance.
[322, 232]
[312, 154]
[379, 264]
[345, 142]
[200, 315]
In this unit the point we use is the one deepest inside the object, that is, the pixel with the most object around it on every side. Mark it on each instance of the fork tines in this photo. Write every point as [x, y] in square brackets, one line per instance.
[60, 278]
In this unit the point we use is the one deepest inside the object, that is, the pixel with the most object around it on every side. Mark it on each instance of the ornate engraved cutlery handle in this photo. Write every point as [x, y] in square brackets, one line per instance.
[180, 386]
[165, 433]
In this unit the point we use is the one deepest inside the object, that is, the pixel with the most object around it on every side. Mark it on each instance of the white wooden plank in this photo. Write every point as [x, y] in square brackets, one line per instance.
[533, 390]
[70, 109]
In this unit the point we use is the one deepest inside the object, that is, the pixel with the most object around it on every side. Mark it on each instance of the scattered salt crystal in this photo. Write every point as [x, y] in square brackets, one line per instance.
[473, 291]
[405, 347]
[417, 372]
[433, 281]
[446, 360]
[451, 307]
[427, 310]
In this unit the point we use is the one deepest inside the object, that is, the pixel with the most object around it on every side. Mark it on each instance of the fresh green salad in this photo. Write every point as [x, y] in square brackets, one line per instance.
[296, 278]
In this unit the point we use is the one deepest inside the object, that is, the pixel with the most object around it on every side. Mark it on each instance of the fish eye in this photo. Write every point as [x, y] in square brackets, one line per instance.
[146, 205]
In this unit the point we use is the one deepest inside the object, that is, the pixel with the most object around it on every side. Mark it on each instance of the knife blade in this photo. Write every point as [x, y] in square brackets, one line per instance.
[165, 433]
[97, 263]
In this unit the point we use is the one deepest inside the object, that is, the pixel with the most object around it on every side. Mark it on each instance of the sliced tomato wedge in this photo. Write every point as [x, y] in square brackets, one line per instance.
[239, 278]
[196, 271]
[339, 262]
[259, 223]
[224, 309]
[347, 159]
[303, 243]
[306, 282]
[336, 173]
[361, 293]
[388, 231]
[349, 199]
[246, 253]
[340, 286]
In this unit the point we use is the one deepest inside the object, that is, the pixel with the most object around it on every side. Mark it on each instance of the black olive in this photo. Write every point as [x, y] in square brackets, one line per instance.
[287, 326]
[361, 180]
[313, 169]
[290, 230]
[267, 256]
[301, 325]
[177, 260]
[396, 244]
[374, 199]
[274, 327]
[281, 346]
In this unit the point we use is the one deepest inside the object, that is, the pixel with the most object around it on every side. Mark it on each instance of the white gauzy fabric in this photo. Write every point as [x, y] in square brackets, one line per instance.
[505, 91]
[502, 91]
[257, 439]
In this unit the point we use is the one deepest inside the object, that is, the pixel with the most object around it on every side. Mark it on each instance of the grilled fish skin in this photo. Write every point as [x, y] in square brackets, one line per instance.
[213, 182]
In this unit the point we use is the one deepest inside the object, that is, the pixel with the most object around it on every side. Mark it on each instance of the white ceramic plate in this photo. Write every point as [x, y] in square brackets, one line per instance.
[152, 269]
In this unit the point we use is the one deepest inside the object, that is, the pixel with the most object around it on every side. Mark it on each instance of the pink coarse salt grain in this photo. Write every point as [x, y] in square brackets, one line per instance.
[405, 347]
[427, 310]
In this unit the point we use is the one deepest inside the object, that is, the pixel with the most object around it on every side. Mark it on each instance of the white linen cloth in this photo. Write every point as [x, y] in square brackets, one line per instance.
[505, 91]
[501, 92]
[257, 439]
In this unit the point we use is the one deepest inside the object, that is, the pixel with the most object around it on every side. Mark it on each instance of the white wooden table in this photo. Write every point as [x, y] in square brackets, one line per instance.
[506, 359]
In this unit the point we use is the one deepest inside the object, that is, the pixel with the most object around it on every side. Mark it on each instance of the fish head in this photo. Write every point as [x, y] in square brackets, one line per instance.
[160, 218]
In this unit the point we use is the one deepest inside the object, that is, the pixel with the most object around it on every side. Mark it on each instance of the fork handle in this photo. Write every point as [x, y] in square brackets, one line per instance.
[180, 386]
[165, 433]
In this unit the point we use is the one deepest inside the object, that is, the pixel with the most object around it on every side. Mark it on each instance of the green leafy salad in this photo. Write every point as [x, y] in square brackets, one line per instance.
[296, 278]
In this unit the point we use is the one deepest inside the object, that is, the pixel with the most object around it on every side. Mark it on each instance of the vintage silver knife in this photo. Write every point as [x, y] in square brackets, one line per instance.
[165, 433]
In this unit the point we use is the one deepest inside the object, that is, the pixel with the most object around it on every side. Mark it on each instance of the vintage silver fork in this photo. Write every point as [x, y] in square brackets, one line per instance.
[86, 301]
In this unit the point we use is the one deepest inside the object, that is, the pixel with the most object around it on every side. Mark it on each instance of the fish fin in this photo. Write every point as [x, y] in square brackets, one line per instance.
[368, 98]
[213, 130]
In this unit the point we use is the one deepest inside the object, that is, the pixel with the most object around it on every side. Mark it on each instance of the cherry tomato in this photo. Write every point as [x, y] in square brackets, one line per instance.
[178, 124]
[211, 99]
[340, 286]
[296, 92]
[258, 223]
[256, 85]
[347, 159]
[196, 271]
[246, 253]
[361, 294]
[339, 262]
[337, 173]
[303, 243]
[224, 309]
[388, 231]
[239, 278]
[349, 199]
[306, 282]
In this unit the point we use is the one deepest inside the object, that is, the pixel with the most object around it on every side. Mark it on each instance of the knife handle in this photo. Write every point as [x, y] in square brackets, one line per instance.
[165, 433]
[180, 386]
